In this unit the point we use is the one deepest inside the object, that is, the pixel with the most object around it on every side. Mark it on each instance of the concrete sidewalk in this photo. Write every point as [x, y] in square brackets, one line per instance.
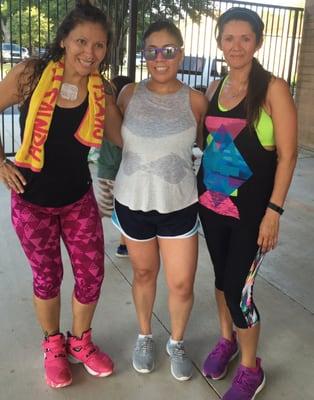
[283, 293]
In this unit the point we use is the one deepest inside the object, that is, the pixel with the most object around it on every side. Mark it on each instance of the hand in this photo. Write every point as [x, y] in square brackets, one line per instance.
[268, 231]
[12, 177]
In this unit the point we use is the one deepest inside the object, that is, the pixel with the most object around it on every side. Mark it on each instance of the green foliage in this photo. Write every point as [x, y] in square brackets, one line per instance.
[37, 19]
[30, 28]
[33, 23]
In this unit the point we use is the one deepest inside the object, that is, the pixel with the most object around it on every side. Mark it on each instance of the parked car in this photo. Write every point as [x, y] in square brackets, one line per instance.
[12, 52]
[198, 72]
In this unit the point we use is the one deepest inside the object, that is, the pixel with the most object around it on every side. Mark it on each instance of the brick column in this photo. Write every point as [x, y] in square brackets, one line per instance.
[305, 84]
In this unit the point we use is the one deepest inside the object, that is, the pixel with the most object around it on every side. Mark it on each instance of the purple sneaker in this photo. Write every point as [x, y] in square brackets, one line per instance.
[246, 383]
[216, 363]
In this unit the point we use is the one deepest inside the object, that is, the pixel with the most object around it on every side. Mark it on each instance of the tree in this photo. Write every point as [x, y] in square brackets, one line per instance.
[36, 21]
[148, 11]
[30, 28]
[17, 14]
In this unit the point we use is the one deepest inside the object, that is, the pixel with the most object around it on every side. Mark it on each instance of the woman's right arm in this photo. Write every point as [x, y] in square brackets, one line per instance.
[114, 117]
[9, 89]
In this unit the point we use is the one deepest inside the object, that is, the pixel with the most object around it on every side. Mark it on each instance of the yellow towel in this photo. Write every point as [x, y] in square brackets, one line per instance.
[41, 108]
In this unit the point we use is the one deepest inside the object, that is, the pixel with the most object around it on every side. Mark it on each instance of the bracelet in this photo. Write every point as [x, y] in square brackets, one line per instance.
[3, 162]
[276, 208]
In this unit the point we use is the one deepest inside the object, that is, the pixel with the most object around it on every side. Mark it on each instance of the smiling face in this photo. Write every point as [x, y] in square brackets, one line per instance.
[238, 43]
[84, 48]
[163, 70]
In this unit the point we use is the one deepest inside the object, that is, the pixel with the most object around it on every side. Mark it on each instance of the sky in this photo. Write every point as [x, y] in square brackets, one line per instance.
[289, 3]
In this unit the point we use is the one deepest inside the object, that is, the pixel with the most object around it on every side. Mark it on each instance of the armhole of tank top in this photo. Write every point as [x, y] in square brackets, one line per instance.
[136, 86]
[189, 97]
[218, 91]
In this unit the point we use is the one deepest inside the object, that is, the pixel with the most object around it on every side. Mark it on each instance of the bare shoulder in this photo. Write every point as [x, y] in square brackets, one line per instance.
[212, 89]
[198, 99]
[125, 96]
[199, 104]
[277, 84]
[278, 93]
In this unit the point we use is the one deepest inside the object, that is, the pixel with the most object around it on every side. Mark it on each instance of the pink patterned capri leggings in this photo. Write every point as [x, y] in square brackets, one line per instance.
[79, 225]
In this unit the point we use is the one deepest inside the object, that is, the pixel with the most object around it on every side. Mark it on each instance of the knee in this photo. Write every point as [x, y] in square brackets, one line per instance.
[87, 292]
[144, 276]
[88, 286]
[46, 290]
[181, 289]
[233, 303]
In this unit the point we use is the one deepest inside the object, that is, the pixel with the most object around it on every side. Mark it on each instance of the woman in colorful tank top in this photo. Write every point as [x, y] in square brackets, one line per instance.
[250, 149]
[63, 108]
[156, 192]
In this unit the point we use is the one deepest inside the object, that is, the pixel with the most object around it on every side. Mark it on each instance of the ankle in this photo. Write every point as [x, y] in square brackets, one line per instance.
[78, 333]
[229, 335]
[250, 364]
[51, 333]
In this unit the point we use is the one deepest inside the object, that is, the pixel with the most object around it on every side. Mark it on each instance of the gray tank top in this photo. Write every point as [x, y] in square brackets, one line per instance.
[156, 171]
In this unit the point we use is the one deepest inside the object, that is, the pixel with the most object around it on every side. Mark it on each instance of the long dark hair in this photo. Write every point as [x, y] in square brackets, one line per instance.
[84, 11]
[259, 78]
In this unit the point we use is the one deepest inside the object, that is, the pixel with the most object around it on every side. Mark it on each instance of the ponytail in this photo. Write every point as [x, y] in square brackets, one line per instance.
[259, 80]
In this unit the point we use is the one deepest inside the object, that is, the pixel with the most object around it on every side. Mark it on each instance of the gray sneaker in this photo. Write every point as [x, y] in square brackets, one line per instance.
[144, 355]
[181, 365]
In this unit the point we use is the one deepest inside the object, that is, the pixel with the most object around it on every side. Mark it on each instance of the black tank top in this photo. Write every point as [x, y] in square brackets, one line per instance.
[65, 176]
[236, 176]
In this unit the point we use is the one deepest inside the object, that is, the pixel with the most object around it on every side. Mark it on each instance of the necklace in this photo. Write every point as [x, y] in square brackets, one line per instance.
[69, 91]
[231, 93]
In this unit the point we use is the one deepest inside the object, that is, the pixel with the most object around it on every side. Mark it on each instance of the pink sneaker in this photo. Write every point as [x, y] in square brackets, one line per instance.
[56, 364]
[82, 350]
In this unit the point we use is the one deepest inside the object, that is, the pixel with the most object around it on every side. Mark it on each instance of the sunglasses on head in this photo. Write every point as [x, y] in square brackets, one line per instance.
[167, 53]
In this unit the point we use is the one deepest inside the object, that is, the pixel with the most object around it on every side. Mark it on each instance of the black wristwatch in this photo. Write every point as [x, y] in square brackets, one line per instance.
[276, 208]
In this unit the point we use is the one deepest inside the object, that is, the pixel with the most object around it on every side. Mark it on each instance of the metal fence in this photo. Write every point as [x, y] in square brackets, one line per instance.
[26, 27]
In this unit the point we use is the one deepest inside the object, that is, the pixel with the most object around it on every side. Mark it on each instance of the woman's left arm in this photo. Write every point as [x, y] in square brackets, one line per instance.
[113, 119]
[284, 117]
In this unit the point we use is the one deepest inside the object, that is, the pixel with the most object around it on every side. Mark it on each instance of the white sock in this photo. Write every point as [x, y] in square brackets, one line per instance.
[173, 342]
[144, 336]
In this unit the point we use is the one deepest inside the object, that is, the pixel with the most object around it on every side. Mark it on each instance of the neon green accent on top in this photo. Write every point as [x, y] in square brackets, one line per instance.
[209, 139]
[264, 128]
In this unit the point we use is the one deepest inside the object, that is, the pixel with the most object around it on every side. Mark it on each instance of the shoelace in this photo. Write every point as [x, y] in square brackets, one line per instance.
[55, 351]
[145, 345]
[89, 349]
[178, 352]
[244, 383]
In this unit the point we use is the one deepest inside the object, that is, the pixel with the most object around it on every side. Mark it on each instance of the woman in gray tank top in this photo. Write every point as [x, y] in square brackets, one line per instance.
[155, 192]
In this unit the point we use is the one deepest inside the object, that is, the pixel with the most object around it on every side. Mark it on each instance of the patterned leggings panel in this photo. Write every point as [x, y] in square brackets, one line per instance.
[40, 230]
[234, 253]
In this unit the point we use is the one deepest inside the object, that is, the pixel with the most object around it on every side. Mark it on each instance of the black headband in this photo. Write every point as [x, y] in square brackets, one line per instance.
[238, 12]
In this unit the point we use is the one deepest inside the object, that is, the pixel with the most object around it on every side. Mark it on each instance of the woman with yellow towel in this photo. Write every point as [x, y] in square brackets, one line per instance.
[64, 106]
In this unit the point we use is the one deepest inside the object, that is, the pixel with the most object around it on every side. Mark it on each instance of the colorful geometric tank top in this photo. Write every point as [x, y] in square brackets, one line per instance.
[236, 176]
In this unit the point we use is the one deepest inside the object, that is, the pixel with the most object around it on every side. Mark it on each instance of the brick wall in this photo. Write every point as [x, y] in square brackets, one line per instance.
[305, 85]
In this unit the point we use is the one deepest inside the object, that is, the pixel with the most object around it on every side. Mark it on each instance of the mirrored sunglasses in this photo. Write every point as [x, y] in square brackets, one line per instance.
[167, 52]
